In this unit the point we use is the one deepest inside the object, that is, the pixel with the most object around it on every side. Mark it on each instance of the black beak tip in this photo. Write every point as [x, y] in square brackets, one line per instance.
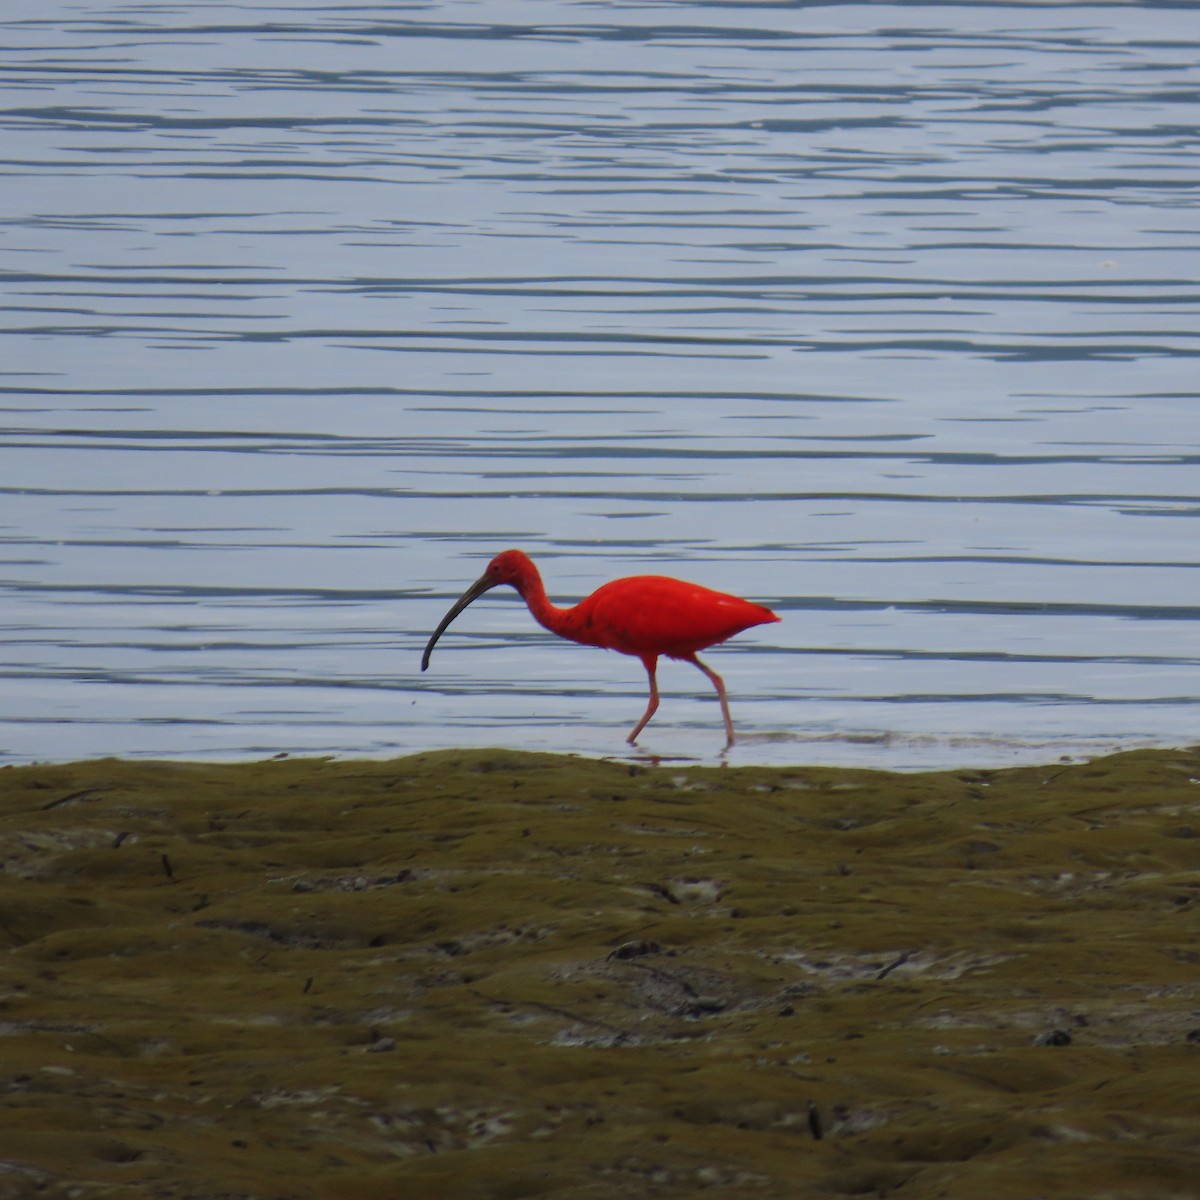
[472, 593]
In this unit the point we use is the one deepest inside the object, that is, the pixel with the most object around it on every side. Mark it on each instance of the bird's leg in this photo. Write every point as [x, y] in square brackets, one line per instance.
[650, 662]
[719, 684]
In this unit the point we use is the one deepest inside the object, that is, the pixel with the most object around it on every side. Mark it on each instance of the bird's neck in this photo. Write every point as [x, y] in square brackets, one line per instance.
[547, 615]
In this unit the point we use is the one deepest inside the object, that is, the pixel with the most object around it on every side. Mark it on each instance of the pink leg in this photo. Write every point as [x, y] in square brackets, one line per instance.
[719, 684]
[650, 662]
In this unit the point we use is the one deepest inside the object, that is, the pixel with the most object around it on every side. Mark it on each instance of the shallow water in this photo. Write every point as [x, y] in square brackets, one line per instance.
[885, 316]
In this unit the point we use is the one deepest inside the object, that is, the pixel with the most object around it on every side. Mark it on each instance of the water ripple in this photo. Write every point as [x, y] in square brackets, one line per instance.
[882, 314]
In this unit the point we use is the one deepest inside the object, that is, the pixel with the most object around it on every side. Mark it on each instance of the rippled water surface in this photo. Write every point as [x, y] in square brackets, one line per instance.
[883, 315]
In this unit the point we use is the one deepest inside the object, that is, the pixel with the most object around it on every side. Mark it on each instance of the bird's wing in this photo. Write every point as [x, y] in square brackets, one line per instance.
[653, 614]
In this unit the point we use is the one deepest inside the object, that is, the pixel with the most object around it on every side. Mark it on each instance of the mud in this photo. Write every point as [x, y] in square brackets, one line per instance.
[491, 975]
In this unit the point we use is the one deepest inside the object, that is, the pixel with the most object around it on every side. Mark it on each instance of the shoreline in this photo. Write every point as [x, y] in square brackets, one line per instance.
[873, 750]
[488, 973]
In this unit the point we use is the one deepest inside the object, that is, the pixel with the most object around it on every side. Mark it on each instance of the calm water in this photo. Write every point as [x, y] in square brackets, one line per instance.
[883, 315]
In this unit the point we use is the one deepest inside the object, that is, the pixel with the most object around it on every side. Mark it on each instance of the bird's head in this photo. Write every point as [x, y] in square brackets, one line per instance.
[509, 566]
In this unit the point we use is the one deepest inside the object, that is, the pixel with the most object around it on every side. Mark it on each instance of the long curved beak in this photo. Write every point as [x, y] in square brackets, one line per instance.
[481, 585]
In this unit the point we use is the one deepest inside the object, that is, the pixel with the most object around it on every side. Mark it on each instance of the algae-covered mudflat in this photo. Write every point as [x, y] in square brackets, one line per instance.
[492, 974]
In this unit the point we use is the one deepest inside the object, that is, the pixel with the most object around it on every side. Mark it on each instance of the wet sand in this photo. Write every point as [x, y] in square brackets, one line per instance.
[487, 975]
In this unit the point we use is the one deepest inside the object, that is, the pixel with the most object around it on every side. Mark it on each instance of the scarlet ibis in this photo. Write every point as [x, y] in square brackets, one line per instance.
[643, 615]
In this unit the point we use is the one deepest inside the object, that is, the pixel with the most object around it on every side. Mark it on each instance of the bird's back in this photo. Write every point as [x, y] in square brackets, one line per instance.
[653, 614]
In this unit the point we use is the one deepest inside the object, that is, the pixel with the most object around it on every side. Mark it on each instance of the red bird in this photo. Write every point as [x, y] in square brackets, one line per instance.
[643, 615]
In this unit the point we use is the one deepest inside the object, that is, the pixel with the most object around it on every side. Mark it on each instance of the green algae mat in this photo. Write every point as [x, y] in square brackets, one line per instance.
[497, 975]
